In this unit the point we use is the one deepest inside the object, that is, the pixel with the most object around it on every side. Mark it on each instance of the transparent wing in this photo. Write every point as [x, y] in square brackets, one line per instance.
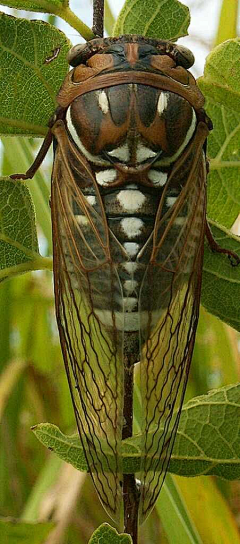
[86, 283]
[169, 299]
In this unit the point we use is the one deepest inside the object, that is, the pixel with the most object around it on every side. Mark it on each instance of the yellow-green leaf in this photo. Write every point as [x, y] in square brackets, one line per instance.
[44, 6]
[207, 440]
[105, 534]
[221, 87]
[29, 81]
[165, 19]
[221, 280]
[18, 237]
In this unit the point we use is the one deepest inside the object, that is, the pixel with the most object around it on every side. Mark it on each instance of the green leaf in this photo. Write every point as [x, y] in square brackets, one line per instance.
[105, 534]
[221, 79]
[56, 7]
[28, 86]
[221, 87]
[18, 238]
[43, 6]
[27, 533]
[224, 152]
[165, 19]
[221, 280]
[207, 440]
[20, 156]
[68, 448]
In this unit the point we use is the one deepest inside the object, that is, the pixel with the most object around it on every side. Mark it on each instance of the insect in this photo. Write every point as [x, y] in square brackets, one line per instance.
[54, 55]
[129, 219]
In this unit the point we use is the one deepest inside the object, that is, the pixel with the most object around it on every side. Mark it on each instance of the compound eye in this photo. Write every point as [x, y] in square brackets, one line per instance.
[146, 51]
[80, 53]
[115, 48]
[76, 53]
[184, 57]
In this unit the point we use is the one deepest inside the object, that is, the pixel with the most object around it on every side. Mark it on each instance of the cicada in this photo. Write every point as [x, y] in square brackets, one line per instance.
[129, 219]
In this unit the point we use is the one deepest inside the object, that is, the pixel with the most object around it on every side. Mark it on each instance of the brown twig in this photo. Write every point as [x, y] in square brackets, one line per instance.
[98, 17]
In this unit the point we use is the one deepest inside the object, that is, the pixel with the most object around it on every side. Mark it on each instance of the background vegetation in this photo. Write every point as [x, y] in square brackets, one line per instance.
[35, 484]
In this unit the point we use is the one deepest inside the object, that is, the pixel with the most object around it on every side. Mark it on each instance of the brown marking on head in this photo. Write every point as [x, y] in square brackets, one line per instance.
[101, 62]
[162, 62]
[131, 52]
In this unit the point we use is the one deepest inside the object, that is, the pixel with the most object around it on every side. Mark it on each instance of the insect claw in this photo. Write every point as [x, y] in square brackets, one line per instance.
[234, 258]
[216, 248]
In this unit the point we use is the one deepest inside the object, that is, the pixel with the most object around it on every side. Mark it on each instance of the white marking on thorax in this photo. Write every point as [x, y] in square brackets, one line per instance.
[131, 248]
[130, 200]
[144, 153]
[158, 178]
[106, 176]
[96, 159]
[190, 132]
[130, 286]
[132, 226]
[91, 200]
[162, 102]
[121, 153]
[103, 101]
[170, 200]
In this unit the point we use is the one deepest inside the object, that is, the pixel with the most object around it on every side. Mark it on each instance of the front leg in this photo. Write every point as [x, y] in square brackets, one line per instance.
[60, 113]
[38, 160]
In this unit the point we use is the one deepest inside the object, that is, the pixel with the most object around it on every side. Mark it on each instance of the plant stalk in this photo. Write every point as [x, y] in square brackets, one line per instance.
[130, 490]
[98, 17]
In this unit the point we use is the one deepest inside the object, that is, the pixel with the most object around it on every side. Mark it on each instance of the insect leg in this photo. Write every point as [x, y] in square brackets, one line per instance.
[38, 160]
[60, 113]
[215, 247]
